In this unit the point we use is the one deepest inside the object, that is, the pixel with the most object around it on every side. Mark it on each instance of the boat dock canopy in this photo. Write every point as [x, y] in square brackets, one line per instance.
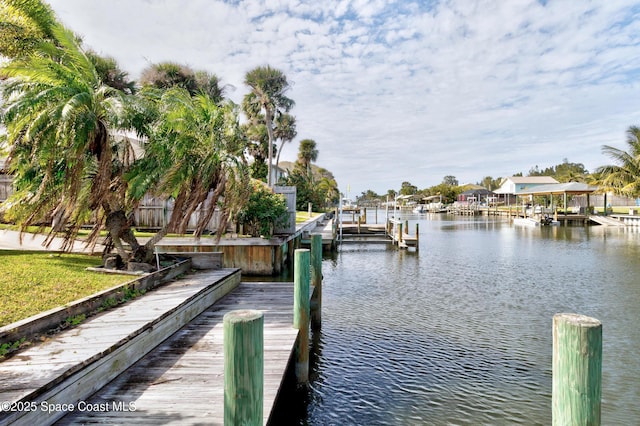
[560, 188]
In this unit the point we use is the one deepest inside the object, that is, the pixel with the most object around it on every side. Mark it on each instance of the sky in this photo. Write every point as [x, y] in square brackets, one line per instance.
[405, 91]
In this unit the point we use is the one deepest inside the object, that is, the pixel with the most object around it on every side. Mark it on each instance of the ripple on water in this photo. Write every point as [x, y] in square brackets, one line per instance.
[460, 333]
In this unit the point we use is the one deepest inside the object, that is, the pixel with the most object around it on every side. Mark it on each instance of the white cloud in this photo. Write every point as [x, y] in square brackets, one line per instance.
[397, 91]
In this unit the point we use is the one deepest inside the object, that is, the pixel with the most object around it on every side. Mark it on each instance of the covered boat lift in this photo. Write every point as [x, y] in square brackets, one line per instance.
[564, 189]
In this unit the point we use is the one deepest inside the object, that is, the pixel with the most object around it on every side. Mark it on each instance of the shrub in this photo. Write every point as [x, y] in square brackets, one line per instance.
[264, 211]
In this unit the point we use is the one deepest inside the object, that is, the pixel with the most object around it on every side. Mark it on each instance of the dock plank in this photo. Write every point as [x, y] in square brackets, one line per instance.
[182, 380]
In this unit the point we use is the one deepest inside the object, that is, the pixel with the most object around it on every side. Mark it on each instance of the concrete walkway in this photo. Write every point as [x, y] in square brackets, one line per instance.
[10, 240]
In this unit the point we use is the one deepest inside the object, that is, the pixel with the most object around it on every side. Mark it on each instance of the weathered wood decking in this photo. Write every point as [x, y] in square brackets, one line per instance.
[364, 233]
[179, 382]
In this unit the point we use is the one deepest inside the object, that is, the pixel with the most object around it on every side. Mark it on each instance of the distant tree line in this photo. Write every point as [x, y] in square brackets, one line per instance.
[621, 178]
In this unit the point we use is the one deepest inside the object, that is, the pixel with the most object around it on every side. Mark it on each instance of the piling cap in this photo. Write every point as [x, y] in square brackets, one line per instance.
[242, 315]
[577, 320]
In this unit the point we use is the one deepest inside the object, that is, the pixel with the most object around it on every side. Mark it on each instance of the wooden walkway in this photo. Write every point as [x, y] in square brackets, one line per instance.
[179, 382]
[327, 230]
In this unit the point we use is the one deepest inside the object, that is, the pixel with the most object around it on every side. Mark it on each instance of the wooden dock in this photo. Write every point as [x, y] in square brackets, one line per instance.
[326, 228]
[68, 378]
[400, 235]
[364, 234]
[182, 382]
[390, 233]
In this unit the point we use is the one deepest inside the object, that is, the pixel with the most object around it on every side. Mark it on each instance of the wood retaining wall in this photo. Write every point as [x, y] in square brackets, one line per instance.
[42, 323]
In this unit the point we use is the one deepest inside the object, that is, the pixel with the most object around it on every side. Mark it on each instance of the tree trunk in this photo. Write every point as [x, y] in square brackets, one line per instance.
[268, 120]
[278, 156]
[119, 228]
[150, 245]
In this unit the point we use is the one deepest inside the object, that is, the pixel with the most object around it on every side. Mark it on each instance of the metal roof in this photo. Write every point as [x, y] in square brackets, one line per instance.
[532, 179]
[561, 188]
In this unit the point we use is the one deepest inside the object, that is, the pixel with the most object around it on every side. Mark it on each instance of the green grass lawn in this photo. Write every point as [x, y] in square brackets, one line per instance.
[34, 282]
[304, 216]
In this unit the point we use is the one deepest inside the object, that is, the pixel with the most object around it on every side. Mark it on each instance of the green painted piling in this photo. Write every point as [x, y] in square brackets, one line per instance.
[577, 370]
[301, 313]
[243, 367]
[316, 280]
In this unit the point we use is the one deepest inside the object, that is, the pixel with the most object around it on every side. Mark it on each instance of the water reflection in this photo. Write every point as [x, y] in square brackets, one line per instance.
[460, 332]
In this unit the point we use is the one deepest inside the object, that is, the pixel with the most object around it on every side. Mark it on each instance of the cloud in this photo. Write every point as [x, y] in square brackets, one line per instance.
[397, 91]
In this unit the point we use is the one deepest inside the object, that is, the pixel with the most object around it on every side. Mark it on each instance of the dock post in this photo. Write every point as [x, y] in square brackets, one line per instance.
[301, 313]
[243, 367]
[577, 370]
[316, 280]
[399, 233]
[417, 238]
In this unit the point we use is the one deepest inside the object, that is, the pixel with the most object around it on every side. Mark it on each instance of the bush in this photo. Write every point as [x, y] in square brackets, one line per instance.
[264, 211]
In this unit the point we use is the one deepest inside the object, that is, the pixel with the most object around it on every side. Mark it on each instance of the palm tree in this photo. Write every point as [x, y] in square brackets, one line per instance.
[329, 187]
[285, 131]
[624, 177]
[58, 115]
[23, 25]
[268, 87]
[194, 155]
[110, 73]
[307, 153]
[165, 75]
[210, 85]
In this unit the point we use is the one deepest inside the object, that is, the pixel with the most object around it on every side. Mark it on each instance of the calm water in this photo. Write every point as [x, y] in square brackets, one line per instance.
[460, 332]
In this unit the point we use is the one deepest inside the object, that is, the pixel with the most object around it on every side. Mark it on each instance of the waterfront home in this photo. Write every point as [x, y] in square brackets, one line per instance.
[515, 185]
[477, 194]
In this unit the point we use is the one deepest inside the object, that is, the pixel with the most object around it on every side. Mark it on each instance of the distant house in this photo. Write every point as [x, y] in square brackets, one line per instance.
[477, 194]
[515, 185]
[278, 173]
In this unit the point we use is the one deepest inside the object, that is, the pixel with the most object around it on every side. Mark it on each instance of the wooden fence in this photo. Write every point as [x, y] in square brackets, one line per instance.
[6, 186]
[154, 213]
[289, 193]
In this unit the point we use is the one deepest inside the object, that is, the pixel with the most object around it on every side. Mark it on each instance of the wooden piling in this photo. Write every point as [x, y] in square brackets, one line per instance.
[316, 280]
[301, 312]
[243, 367]
[399, 233]
[577, 370]
[417, 237]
